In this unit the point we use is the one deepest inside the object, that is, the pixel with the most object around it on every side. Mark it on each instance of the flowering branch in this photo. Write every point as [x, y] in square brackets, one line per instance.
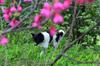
[23, 28]
[10, 29]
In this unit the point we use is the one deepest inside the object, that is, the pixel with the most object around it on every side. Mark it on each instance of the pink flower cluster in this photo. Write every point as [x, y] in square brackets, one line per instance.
[2, 1]
[52, 30]
[54, 11]
[48, 11]
[14, 23]
[84, 1]
[27, 1]
[8, 12]
[37, 20]
[3, 41]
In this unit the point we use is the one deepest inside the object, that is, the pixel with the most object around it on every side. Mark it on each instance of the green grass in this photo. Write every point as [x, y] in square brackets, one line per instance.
[21, 51]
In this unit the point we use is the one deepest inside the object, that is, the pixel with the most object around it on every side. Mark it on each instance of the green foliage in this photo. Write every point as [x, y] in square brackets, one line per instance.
[98, 40]
[21, 50]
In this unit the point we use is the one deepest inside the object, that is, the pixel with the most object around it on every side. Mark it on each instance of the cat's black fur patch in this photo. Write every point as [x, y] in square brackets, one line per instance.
[38, 38]
[59, 35]
[50, 37]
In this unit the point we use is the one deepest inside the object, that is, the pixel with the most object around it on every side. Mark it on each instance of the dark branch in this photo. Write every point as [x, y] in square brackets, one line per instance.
[73, 21]
[69, 45]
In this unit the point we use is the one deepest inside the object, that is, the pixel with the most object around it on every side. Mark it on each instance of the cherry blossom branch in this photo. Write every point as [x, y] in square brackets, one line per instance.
[10, 29]
[30, 7]
[23, 28]
[23, 19]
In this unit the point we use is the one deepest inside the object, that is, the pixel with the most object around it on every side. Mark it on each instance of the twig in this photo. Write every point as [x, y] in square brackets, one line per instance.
[23, 28]
[73, 21]
[5, 63]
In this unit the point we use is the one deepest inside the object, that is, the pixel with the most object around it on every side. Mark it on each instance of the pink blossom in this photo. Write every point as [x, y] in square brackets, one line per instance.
[58, 18]
[55, 1]
[37, 18]
[4, 41]
[84, 1]
[35, 24]
[80, 1]
[6, 17]
[2, 1]
[58, 7]
[13, 9]
[52, 30]
[39, 27]
[90, 1]
[67, 4]
[27, 0]
[47, 6]
[14, 23]
[19, 8]
[46, 13]
[10, 14]
[6, 10]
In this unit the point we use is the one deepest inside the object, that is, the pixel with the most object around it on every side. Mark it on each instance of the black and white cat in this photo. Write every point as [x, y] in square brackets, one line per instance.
[44, 38]
[57, 37]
